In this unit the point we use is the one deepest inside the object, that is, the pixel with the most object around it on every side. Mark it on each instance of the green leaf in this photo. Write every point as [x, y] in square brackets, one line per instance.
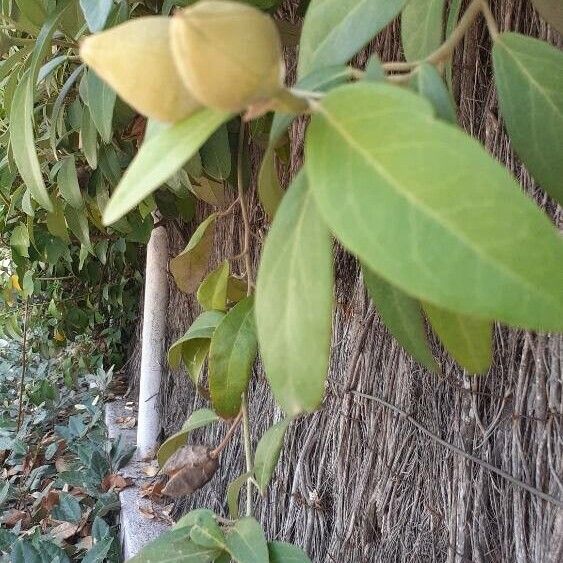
[212, 293]
[551, 11]
[269, 189]
[188, 268]
[268, 453]
[335, 30]
[56, 223]
[19, 240]
[159, 157]
[281, 552]
[469, 340]
[294, 301]
[246, 542]
[33, 11]
[231, 356]
[205, 531]
[23, 142]
[192, 348]
[402, 315]
[198, 419]
[89, 138]
[96, 13]
[175, 546]
[78, 224]
[101, 101]
[210, 191]
[529, 78]
[425, 207]
[67, 509]
[427, 82]
[233, 491]
[67, 180]
[422, 28]
[216, 154]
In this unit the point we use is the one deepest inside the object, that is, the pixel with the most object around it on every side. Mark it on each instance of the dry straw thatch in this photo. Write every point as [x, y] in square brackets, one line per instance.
[357, 481]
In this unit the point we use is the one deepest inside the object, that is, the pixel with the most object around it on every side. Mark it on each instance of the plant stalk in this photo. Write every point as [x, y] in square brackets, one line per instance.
[24, 363]
[247, 453]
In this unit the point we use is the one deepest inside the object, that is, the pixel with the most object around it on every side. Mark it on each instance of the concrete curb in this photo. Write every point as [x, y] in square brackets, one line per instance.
[135, 529]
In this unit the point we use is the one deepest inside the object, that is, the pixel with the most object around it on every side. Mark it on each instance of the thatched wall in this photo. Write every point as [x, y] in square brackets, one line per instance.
[358, 482]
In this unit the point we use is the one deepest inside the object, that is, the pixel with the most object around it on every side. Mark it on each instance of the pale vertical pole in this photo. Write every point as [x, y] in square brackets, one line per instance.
[153, 353]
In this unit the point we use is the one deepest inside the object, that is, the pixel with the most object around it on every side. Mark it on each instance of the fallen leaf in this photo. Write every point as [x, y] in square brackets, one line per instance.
[126, 421]
[12, 516]
[85, 543]
[50, 500]
[150, 470]
[64, 531]
[152, 491]
[147, 512]
[115, 482]
[61, 464]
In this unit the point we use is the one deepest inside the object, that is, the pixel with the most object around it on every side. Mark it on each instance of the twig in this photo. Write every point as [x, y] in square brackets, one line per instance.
[215, 452]
[516, 482]
[247, 453]
[24, 363]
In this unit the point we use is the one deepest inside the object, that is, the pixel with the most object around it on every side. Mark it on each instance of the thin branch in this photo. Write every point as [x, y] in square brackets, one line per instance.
[215, 452]
[24, 363]
[247, 453]
[516, 482]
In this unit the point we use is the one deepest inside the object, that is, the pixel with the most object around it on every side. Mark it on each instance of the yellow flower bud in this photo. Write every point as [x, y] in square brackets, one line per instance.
[228, 54]
[134, 58]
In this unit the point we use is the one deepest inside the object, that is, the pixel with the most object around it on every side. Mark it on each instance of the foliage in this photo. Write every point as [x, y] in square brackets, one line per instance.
[447, 241]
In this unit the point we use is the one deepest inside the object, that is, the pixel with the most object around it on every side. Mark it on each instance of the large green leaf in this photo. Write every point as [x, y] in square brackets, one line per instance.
[67, 180]
[77, 222]
[551, 11]
[246, 542]
[159, 157]
[19, 240]
[335, 30]
[402, 315]
[175, 546]
[281, 552]
[467, 339]
[425, 207]
[231, 356]
[23, 142]
[198, 419]
[216, 154]
[422, 23]
[192, 348]
[96, 13]
[101, 101]
[188, 268]
[268, 453]
[294, 301]
[529, 78]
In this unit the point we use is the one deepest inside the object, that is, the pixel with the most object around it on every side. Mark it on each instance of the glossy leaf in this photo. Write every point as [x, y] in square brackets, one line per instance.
[422, 28]
[212, 293]
[198, 419]
[529, 78]
[23, 142]
[294, 302]
[188, 268]
[246, 542]
[405, 193]
[551, 11]
[268, 453]
[427, 82]
[402, 315]
[192, 348]
[174, 546]
[469, 340]
[101, 101]
[159, 157]
[96, 13]
[281, 552]
[335, 30]
[231, 356]
[67, 180]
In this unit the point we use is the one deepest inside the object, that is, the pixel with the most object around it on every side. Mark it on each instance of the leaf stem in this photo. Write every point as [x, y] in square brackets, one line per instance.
[24, 363]
[247, 452]
[489, 19]
[223, 444]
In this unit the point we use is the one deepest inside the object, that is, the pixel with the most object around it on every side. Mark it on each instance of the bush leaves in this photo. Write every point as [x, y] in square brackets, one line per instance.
[268, 453]
[159, 157]
[231, 355]
[246, 542]
[294, 302]
[422, 28]
[529, 78]
[335, 30]
[405, 193]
